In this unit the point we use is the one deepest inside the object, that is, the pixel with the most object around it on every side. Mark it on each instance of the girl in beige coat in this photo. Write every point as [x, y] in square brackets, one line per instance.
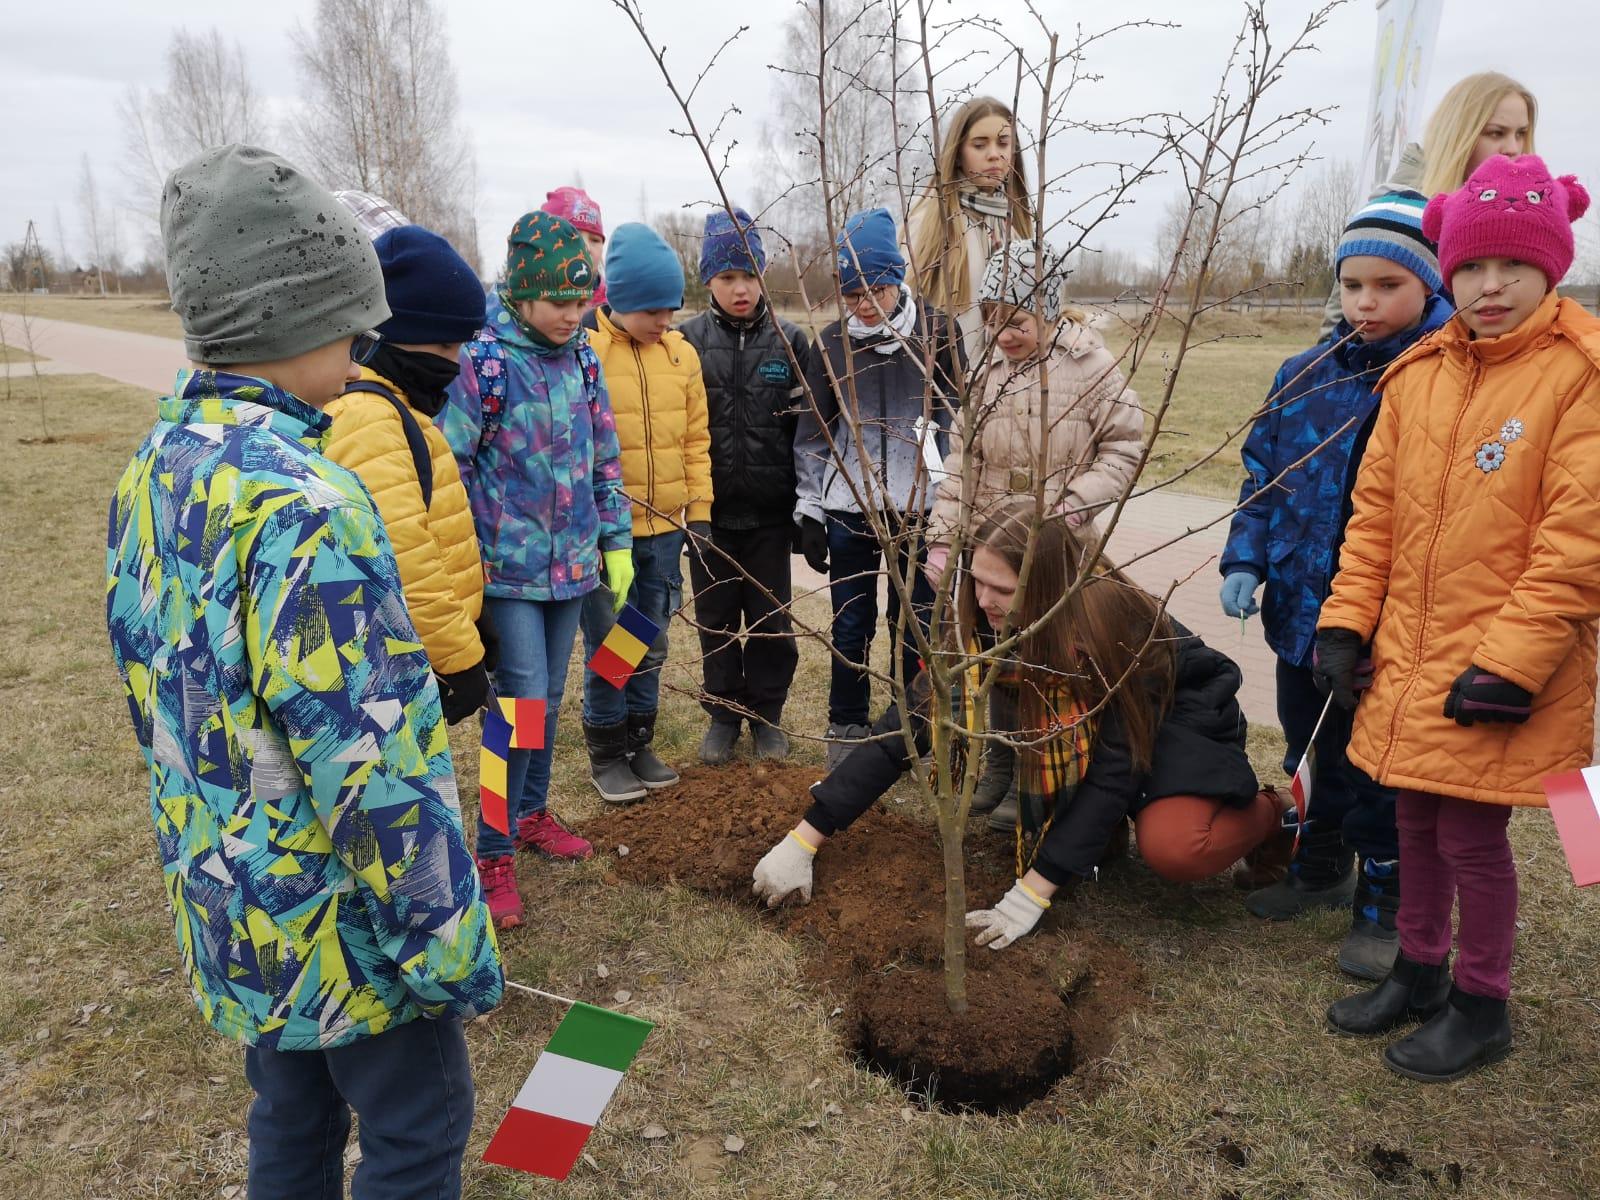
[1050, 416]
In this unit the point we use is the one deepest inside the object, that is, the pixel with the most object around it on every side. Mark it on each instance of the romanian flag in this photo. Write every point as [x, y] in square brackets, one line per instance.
[1575, 804]
[570, 1086]
[625, 646]
[526, 718]
[492, 769]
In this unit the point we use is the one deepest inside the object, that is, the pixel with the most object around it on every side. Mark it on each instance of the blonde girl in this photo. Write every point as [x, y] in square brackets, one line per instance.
[977, 201]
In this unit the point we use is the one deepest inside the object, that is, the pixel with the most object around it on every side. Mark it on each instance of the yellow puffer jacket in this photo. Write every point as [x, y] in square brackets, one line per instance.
[1475, 541]
[436, 547]
[659, 399]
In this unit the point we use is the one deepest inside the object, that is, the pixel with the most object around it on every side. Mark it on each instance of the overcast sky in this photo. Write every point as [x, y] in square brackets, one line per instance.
[545, 99]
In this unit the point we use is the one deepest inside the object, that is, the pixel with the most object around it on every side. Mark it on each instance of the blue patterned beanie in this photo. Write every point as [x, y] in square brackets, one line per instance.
[724, 246]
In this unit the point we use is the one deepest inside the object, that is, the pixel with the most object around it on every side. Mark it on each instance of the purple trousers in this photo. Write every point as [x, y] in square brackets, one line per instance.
[1458, 850]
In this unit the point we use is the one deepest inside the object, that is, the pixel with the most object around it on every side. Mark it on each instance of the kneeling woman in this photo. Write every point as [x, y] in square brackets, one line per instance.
[1165, 747]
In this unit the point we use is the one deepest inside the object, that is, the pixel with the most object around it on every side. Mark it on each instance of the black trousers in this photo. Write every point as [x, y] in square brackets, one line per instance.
[750, 672]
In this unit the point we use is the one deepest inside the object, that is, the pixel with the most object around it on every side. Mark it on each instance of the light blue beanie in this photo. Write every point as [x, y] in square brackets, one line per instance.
[642, 271]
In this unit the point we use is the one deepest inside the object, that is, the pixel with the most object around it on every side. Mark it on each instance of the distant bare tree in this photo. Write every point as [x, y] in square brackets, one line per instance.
[99, 226]
[870, 88]
[381, 111]
[1313, 230]
[208, 100]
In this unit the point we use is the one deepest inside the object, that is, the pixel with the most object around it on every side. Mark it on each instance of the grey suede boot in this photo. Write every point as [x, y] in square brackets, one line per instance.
[1370, 947]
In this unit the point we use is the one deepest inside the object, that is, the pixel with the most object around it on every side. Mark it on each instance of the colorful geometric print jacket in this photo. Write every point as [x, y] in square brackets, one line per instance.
[300, 780]
[1288, 529]
[546, 487]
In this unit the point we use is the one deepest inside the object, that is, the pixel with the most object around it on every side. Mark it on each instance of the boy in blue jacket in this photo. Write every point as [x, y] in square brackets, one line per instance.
[326, 908]
[1300, 462]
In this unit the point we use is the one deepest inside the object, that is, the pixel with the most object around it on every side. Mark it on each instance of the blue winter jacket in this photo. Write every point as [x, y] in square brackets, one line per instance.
[1288, 532]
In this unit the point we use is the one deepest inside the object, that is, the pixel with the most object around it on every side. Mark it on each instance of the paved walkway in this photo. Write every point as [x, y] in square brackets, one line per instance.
[138, 358]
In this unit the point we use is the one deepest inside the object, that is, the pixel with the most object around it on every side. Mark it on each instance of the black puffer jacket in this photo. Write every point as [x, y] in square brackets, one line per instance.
[753, 396]
[1199, 751]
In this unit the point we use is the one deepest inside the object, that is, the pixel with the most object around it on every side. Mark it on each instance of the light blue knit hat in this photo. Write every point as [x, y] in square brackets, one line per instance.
[1390, 226]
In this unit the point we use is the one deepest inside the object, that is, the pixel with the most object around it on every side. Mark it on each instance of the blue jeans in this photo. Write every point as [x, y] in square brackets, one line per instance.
[1342, 796]
[657, 593]
[854, 559]
[410, 1085]
[536, 639]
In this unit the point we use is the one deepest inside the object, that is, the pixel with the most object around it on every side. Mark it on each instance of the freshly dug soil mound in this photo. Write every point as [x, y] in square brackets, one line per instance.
[1035, 1009]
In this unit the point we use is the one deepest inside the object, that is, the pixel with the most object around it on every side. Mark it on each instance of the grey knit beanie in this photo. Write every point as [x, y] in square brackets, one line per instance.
[262, 262]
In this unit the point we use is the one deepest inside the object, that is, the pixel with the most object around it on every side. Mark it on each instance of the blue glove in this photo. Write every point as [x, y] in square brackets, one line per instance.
[1239, 594]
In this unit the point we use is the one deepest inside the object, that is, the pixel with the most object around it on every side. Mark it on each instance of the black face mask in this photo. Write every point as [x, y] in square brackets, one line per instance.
[422, 375]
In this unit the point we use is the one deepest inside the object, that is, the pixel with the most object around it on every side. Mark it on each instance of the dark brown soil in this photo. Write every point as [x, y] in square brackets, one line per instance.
[1039, 1009]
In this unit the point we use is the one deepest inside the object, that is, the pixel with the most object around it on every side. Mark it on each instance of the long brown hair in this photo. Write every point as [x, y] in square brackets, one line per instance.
[937, 233]
[1110, 637]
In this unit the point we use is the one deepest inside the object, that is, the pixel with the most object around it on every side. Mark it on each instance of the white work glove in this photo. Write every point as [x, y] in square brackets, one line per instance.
[1016, 914]
[785, 870]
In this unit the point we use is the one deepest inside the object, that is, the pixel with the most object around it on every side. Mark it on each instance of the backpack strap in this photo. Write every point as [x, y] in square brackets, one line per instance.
[491, 385]
[421, 458]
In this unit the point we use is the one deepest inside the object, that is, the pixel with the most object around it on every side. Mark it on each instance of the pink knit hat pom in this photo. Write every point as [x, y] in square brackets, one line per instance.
[1577, 197]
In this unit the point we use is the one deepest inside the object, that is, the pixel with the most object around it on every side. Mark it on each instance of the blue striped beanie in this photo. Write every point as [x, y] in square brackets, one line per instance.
[1390, 226]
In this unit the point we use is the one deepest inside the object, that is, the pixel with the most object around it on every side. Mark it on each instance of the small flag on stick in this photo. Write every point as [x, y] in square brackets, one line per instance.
[526, 718]
[492, 770]
[569, 1087]
[624, 648]
[1300, 785]
[1575, 804]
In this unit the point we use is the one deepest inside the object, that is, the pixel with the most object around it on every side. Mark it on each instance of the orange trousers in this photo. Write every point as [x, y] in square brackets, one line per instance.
[1188, 838]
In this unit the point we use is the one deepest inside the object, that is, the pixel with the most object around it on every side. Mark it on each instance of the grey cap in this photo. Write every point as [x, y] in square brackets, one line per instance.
[262, 262]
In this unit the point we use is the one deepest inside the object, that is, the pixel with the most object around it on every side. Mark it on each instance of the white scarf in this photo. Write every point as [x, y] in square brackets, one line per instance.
[886, 336]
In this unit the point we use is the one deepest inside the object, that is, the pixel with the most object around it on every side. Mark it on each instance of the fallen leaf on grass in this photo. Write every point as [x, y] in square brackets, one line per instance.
[603, 971]
[830, 1109]
[623, 996]
[653, 1133]
[733, 1143]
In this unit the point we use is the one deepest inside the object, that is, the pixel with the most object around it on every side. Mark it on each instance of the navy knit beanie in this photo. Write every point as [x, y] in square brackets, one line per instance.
[434, 294]
[642, 271]
[724, 246]
[868, 253]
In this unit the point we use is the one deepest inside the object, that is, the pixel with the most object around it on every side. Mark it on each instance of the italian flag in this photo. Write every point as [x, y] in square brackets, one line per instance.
[569, 1087]
[1575, 804]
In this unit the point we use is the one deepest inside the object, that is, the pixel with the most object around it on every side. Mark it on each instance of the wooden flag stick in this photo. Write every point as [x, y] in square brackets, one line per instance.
[533, 991]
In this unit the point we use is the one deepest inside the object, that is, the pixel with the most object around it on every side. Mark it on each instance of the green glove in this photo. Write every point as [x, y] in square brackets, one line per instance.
[619, 576]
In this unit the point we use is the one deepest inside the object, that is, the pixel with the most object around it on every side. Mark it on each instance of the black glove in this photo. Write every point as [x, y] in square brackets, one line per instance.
[463, 693]
[1479, 695]
[1333, 665]
[814, 544]
[697, 539]
[490, 637]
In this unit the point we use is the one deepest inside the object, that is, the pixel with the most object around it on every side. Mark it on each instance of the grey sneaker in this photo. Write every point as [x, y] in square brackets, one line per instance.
[772, 743]
[841, 740]
[719, 745]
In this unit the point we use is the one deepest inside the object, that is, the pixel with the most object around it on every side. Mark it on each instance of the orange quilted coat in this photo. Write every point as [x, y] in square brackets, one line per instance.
[1475, 539]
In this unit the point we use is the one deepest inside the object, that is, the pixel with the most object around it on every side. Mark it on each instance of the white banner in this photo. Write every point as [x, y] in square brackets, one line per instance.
[1407, 30]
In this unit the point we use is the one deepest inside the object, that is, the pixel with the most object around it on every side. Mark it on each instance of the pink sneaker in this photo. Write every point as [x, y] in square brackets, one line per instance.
[542, 832]
[499, 878]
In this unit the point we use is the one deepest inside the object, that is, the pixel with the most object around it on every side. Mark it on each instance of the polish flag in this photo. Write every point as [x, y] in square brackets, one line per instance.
[570, 1086]
[1300, 789]
[1575, 804]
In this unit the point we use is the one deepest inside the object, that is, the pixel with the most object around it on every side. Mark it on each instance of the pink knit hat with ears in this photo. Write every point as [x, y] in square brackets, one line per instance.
[1508, 208]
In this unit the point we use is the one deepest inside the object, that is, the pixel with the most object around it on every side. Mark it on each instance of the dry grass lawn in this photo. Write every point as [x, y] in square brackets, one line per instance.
[1224, 1085]
[136, 314]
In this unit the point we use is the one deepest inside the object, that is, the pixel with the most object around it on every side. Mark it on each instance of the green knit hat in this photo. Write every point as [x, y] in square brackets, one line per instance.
[546, 259]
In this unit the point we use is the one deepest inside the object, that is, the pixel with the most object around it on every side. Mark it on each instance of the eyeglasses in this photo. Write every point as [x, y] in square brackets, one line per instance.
[881, 296]
[364, 346]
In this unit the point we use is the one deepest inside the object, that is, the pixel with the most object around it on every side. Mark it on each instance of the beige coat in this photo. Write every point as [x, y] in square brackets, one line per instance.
[981, 244]
[1086, 417]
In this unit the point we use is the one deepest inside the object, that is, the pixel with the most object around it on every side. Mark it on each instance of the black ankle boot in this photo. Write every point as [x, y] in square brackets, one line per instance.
[608, 763]
[1412, 991]
[642, 761]
[1469, 1032]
